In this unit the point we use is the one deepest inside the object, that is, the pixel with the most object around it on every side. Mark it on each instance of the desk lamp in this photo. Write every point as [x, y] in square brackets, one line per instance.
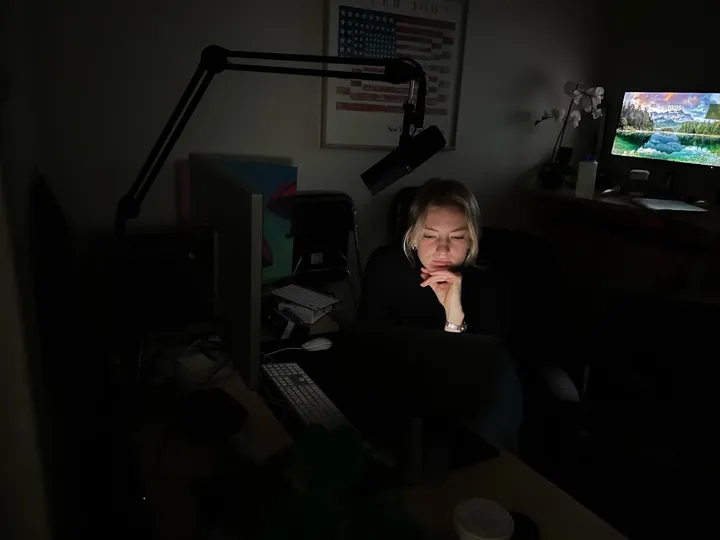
[414, 147]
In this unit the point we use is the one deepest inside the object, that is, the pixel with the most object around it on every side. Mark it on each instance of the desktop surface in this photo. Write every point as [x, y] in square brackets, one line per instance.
[175, 468]
[515, 486]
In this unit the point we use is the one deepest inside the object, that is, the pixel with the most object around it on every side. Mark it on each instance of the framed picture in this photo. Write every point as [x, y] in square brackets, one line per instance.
[362, 114]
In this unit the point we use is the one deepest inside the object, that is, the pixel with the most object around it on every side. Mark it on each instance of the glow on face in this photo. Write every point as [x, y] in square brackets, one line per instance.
[444, 240]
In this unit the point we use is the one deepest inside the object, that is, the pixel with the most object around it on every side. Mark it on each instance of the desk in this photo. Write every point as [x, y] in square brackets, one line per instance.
[175, 507]
[700, 229]
[504, 479]
[515, 486]
[608, 243]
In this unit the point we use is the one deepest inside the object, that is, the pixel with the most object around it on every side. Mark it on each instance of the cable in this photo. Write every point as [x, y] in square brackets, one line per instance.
[222, 365]
[266, 391]
[283, 406]
[285, 349]
[297, 265]
[173, 361]
[211, 344]
[189, 347]
[352, 291]
[268, 355]
[263, 383]
[139, 362]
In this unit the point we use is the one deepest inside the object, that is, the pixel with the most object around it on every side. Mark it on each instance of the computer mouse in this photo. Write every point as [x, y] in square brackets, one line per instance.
[317, 344]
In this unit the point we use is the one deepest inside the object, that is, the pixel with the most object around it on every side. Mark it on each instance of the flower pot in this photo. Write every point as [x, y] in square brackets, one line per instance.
[551, 175]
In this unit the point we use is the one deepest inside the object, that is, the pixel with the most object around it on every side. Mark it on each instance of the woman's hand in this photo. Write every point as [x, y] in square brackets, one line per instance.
[447, 286]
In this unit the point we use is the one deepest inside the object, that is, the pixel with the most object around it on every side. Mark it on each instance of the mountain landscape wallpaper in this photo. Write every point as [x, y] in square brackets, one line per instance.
[670, 126]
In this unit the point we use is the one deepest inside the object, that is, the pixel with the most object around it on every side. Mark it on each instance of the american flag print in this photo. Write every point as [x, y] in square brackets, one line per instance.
[365, 33]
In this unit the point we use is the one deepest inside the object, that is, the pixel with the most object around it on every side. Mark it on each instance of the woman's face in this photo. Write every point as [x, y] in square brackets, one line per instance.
[444, 240]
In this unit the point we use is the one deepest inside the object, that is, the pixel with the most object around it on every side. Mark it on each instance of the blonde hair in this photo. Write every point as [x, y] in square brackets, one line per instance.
[438, 193]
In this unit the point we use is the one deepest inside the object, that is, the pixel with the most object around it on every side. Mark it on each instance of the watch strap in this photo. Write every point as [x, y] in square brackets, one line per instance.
[455, 327]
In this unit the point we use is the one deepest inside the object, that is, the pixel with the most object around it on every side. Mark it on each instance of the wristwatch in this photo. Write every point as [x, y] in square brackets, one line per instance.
[452, 327]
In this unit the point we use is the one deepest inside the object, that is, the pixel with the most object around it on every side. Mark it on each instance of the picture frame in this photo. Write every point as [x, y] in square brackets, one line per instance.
[367, 115]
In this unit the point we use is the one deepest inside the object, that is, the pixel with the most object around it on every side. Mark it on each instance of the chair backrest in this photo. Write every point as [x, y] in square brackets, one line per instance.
[530, 266]
[322, 223]
[399, 213]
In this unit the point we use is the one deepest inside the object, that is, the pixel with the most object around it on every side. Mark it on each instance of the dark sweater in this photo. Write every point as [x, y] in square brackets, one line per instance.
[391, 293]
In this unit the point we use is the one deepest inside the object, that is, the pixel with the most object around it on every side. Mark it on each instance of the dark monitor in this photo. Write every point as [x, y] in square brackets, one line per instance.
[236, 215]
[169, 276]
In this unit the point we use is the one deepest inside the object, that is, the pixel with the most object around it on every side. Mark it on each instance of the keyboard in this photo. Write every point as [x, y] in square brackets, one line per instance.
[304, 297]
[667, 204]
[304, 396]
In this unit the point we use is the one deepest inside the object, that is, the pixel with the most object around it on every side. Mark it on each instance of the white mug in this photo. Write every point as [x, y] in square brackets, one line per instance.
[482, 519]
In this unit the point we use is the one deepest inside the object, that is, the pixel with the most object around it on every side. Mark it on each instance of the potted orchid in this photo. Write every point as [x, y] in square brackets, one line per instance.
[582, 100]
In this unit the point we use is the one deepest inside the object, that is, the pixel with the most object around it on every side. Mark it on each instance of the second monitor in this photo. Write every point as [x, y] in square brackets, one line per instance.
[682, 127]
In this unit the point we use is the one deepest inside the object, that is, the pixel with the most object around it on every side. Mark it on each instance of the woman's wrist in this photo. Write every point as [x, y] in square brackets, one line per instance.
[455, 316]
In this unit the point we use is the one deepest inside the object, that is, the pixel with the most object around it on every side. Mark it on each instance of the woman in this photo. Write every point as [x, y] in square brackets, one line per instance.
[433, 283]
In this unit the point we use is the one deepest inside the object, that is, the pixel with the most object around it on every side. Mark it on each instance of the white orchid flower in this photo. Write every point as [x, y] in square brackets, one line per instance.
[596, 113]
[557, 114]
[570, 87]
[596, 92]
[574, 118]
[585, 103]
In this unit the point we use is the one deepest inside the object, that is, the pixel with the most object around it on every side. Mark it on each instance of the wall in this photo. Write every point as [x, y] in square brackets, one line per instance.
[23, 511]
[22, 486]
[654, 49]
[115, 69]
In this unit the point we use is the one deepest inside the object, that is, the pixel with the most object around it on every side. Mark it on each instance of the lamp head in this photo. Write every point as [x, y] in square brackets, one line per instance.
[413, 150]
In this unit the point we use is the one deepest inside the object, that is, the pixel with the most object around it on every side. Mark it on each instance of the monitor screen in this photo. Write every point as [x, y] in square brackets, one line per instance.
[669, 126]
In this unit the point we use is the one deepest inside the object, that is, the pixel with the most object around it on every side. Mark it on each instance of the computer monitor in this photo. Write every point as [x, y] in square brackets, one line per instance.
[235, 213]
[276, 179]
[682, 127]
